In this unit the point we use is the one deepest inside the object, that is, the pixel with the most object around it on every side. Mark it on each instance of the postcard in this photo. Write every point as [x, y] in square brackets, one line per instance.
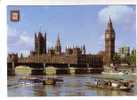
[71, 50]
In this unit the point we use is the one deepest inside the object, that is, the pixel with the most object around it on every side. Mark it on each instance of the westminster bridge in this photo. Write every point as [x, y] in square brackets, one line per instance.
[38, 68]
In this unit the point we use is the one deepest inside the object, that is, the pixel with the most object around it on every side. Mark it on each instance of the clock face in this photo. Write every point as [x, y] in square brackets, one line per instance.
[107, 36]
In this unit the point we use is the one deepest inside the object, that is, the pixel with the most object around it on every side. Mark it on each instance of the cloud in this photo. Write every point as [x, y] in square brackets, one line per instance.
[22, 42]
[25, 40]
[123, 18]
[19, 41]
[117, 13]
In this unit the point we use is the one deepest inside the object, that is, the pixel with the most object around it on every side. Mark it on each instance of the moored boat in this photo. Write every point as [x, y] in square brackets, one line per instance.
[112, 73]
[49, 81]
[112, 85]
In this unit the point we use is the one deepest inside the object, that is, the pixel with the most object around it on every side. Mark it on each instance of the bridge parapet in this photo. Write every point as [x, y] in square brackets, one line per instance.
[38, 68]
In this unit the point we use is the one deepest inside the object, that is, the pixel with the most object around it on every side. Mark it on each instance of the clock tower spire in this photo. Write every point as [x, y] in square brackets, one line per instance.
[109, 43]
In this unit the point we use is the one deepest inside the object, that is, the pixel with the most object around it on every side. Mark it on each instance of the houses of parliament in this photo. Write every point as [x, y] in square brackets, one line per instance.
[71, 56]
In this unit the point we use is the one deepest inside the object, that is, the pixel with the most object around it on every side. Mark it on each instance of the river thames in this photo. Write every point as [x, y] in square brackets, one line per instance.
[72, 85]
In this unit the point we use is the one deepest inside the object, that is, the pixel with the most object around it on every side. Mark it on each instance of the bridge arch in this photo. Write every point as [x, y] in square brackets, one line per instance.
[23, 70]
[50, 70]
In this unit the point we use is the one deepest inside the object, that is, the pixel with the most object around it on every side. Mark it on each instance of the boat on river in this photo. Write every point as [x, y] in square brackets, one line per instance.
[112, 85]
[47, 81]
[113, 73]
[112, 70]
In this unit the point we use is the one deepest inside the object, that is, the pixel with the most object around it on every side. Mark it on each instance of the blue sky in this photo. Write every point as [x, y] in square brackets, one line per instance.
[77, 25]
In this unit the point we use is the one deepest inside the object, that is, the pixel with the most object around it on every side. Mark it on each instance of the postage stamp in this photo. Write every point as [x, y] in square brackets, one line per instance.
[71, 50]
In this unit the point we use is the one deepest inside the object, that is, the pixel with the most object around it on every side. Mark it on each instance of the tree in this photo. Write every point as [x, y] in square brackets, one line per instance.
[133, 58]
[116, 59]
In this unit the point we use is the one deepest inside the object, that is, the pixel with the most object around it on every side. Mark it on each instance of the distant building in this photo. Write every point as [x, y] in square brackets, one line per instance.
[12, 57]
[124, 51]
[75, 55]
[40, 43]
[58, 46]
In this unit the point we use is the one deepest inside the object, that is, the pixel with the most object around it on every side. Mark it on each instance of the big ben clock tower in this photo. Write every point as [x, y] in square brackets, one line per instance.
[109, 43]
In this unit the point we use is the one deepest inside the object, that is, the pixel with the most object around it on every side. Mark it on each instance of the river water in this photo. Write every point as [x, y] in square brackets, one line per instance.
[72, 85]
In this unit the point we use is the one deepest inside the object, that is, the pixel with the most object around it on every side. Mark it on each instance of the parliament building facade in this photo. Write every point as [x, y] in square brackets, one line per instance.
[75, 55]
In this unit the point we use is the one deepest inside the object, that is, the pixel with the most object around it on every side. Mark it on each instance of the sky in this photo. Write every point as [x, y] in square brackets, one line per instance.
[77, 25]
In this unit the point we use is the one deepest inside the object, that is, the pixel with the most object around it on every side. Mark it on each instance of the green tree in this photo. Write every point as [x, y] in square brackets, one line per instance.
[133, 59]
[116, 59]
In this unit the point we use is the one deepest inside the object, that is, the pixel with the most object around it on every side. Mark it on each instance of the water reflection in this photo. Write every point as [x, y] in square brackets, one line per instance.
[71, 86]
[39, 91]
